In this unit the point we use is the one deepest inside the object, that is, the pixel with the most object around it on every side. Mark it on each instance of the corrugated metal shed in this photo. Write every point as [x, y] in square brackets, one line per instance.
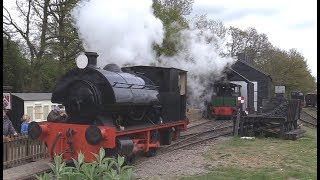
[33, 96]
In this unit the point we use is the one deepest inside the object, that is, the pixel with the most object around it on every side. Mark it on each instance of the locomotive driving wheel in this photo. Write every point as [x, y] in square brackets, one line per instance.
[151, 153]
[166, 137]
[130, 159]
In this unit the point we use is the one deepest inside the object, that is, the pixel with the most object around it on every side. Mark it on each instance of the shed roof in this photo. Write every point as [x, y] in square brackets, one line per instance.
[251, 66]
[155, 67]
[33, 96]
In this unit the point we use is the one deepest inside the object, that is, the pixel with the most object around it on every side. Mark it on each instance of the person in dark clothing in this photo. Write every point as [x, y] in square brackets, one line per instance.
[57, 115]
[8, 128]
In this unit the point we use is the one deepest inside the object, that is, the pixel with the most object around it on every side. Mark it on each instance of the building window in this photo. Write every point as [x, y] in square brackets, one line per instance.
[30, 112]
[38, 112]
[53, 106]
[45, 112]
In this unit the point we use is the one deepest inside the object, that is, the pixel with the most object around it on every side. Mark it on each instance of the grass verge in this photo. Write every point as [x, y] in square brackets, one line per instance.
[263, 158]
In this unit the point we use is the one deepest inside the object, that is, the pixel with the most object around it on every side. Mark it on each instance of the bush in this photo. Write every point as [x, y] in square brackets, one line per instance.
[101, 168]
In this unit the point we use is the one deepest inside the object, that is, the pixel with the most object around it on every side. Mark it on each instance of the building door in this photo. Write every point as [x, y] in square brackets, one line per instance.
[255, 95]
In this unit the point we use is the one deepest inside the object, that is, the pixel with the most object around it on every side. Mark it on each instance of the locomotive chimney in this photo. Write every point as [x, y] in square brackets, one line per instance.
[92, 58]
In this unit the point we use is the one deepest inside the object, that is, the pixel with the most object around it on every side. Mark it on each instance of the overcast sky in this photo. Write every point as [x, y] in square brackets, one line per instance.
[287, 23]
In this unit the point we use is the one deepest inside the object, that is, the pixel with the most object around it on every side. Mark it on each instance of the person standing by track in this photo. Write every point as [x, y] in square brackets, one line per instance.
[8, 128]
[57, 115]
[25, 123]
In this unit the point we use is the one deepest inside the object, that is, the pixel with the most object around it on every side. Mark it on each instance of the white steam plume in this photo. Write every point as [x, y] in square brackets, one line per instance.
[200, 56]
[124, 32]
[120, 31]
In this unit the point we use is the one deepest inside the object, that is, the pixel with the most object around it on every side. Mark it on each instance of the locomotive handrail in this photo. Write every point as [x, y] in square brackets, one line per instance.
[140, 73]
[54, 143]
[130, 85]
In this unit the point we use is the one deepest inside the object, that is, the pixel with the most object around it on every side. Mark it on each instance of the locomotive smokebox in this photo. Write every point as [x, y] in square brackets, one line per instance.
[92, 58]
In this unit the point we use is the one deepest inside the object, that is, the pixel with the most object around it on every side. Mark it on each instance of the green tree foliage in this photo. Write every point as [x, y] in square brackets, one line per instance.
[289, 69]
[173, 22]
[50, 72]
[15, 67]
[64, 40]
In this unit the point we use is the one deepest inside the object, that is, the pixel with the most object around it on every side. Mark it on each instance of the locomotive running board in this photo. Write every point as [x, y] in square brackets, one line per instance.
[136, 129]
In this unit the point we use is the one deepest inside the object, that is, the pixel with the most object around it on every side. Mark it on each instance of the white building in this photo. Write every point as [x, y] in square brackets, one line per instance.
[35, 105]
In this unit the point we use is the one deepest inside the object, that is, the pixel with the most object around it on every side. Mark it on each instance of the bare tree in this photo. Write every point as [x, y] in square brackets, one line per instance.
[45, 30]
[215, 26]
[213, 30]
[249, 41]
[32, 31]
[184, 6]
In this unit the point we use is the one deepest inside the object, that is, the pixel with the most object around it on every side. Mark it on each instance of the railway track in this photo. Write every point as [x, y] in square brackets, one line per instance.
[200, 124]
[219, 130]
[203, 127]
[308, 119]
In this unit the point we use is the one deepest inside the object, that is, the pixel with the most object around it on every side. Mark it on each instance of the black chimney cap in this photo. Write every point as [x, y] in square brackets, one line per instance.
[242, 56]
[92, 58]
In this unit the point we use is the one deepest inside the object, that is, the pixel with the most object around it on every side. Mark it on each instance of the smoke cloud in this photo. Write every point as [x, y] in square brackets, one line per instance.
[120, 31]
[200, 51]
[124, 32]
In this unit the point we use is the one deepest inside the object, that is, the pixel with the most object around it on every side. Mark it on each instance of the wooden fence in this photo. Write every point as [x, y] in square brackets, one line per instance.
[22, 149]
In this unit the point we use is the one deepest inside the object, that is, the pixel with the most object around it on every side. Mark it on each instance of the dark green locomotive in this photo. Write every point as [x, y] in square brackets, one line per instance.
[225, 101]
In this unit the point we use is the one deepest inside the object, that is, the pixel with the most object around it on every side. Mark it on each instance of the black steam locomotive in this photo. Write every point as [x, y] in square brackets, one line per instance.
[124, 96]
[124, 110]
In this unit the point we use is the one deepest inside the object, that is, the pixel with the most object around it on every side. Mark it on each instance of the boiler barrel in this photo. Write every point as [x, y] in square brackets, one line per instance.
[99, 86]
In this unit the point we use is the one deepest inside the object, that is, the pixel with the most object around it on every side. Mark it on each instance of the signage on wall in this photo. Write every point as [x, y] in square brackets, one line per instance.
[7, 100]
[280, 89]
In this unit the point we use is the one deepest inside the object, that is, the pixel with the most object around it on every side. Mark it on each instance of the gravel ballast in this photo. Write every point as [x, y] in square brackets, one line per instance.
[183, 162]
